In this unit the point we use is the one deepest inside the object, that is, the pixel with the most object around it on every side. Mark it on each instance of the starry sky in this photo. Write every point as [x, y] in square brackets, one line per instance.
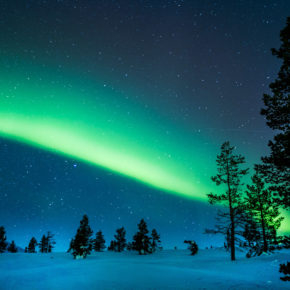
[117, 110]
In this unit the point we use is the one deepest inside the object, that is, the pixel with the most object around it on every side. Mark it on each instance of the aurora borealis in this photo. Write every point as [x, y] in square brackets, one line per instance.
[117, 109]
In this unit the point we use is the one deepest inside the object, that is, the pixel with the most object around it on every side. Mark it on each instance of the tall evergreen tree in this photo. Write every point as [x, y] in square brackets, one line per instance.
[99, 242]
[12, 248]
[265, 211]
[3, 243]
[155, 241]
[276, 167]
[32, 245]
[46, 243]
[141, 240]
[120, 239]
[82, 243]
[229, 174]
[112, 246]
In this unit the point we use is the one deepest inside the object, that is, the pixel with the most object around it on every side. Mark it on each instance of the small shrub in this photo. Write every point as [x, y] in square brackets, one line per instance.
[192, 246]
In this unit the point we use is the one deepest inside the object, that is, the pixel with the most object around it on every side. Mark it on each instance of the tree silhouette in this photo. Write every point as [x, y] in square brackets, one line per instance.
[12, 248]
[3, 243]
[230, 175]
[141, 240]
[277, 112]
[99, 242]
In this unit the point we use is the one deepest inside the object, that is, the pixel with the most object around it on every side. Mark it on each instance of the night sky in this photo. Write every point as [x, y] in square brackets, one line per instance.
[117, 110]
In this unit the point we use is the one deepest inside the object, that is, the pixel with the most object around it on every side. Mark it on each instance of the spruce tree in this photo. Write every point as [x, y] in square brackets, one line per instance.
[155, 241]
[229, 174]
[276, 167]
[112, 246]
[12, 248]
[120, 239]
[265, 211]
[99, 242]
[82, 243]
[46, 243]
[3, 243]
[141, 240]
[43, 244]
[32, 245]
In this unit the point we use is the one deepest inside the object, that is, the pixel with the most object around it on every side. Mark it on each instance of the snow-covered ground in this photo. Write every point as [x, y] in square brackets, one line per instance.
[169, 269]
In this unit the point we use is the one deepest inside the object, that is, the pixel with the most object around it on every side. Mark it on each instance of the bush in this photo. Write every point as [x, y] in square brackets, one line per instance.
[192, 246]
[285, 269]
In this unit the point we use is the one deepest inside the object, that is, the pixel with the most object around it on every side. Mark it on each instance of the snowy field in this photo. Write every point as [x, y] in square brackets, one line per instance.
[169, 269]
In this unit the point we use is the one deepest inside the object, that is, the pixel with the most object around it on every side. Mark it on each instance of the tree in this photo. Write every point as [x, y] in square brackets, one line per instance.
[141, 240]
[263, 209]
[99, 242]
[192, 246]
[47, 243]
[230, 175]
[3, 243]
[155, 241]
[251, 233]
[120, 239]
[112, 246]
[276, 166]
[32, 245]
[12, 248]
[82, 243]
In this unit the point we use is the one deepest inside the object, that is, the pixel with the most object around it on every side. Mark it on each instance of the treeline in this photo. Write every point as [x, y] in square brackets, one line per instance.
[83, 244]
[45, 245]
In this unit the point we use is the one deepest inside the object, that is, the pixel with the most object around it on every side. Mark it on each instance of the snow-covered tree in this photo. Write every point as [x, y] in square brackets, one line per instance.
[3, 243]
[99, 242]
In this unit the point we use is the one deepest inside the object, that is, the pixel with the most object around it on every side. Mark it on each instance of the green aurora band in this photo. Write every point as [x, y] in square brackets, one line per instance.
[105, 128]
[57, 118]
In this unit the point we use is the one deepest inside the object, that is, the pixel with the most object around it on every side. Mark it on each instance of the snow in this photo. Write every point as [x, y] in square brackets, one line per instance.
[169, 269]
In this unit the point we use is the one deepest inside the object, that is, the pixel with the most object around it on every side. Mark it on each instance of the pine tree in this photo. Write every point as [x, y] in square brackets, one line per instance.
[82, 243]
[251, 233]
[155, 241]
[99, 242]
[3, 243]
[12, 248]
[141, 241]
[50, 242]
[32, 246]
[277, 112]
[112, 246]
[120, 239]
[47, 243]
[264, 210]
[230, 175]
[43, 245]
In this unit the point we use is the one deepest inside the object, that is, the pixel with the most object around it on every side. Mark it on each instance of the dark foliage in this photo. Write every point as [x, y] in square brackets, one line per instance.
[112, 246]
[81, 245]
[3, 243]
[229, 174]
[12, 248]
[155, 241]
[141, 240]
[285, 269]
[99, 242]
[46, 243]
[120, 237]
[276, 166]
[32, 245]
[263, 210]
[192, 246]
